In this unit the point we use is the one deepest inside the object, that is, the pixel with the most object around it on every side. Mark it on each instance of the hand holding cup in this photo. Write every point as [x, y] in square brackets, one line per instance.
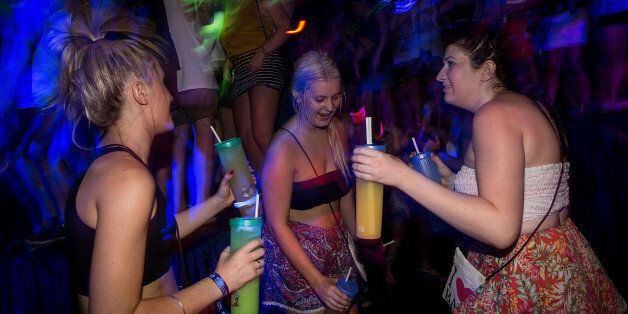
[244, 265]
[332, 296]
[447, 176]
[224, 193]
[372, 165]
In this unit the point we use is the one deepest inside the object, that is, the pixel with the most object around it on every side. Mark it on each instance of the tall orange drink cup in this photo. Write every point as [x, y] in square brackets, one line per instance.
[369, 201]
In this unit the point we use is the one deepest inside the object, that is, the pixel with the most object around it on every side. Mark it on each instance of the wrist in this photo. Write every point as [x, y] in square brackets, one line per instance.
[264, 51]
[318, 281]
[400, 181]
[220, 283]
[224, 203]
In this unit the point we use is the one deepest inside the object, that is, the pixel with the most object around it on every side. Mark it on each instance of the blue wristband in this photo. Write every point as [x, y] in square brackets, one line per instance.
[220, 283]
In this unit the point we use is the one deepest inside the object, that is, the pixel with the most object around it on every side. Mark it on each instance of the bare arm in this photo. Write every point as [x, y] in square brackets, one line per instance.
[194, 217]
[123, 211]
[493, 217]
[124, 207]
[281, 21]
[347, 206]
[277, 174]
[235, 268]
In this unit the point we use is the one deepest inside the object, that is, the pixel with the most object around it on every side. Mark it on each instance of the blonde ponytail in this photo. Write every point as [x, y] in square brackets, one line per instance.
[101, 48]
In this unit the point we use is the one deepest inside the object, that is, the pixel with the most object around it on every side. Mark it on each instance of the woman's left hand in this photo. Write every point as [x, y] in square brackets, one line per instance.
[256, 61]
[373, 165]
[224, 193]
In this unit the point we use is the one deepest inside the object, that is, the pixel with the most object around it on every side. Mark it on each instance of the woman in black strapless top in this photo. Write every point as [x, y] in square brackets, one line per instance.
[308, 197]
[118, 241]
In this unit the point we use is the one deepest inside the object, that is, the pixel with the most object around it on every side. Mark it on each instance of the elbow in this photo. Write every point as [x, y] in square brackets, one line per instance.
[504, 239]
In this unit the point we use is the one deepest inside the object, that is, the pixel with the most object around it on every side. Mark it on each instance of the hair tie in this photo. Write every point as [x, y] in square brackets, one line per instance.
[112, 36]
[115, 35]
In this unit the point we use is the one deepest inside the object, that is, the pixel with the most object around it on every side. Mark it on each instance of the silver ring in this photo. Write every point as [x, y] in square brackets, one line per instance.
[259, 264]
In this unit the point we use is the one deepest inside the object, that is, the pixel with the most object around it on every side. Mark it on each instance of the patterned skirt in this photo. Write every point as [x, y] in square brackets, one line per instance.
[557, 272]
[284, 289]
[272, 73]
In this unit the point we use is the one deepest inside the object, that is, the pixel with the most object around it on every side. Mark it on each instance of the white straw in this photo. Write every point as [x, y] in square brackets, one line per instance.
[256, 205]
[215, 134]
[415, 146]
[389, 243]
[349, 273]
[369, 131]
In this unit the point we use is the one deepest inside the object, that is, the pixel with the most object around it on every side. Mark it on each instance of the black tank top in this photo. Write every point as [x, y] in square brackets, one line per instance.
[160, 240]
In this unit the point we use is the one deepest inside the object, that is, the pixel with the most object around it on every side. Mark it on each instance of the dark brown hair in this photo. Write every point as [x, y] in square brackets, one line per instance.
[484, 47]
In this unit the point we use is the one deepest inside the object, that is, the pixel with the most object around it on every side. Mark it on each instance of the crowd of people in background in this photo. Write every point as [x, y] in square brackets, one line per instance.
[228, 64]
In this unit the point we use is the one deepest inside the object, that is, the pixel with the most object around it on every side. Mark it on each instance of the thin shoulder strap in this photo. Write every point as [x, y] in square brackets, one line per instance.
[308, 157]
[120, 148]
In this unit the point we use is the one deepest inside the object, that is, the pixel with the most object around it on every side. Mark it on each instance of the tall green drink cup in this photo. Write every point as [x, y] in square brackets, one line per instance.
[244, 229]
[232, 157]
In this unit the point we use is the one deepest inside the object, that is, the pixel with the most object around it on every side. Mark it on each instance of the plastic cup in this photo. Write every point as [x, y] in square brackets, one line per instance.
[232, 157]
[424, 165]
[348, 287]
[244, 229]
[369, 201]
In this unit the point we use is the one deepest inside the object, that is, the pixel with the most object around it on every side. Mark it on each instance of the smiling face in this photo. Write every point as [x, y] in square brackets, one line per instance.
[320, 101]
[462, 84]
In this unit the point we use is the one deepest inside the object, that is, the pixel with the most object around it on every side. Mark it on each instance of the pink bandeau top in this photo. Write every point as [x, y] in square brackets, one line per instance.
[539, 188]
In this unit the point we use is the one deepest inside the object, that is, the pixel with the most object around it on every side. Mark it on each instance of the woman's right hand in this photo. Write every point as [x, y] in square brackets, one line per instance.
[224, 193]
[447, 177]
[372, 165]
[332, 296]
[244, 265]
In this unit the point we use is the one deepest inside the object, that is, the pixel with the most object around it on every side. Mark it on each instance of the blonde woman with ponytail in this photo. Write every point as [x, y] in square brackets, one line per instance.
[308, 197]
[120, 239]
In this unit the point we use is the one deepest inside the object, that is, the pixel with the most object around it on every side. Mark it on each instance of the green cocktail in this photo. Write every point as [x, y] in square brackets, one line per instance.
[232, 157]
[244, 229]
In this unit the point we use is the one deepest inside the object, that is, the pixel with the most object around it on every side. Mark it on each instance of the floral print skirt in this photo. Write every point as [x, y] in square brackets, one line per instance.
[556, 272]
[284, 288]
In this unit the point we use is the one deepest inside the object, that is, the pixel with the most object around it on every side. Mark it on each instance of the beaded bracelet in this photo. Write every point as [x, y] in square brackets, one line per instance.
[220, 283]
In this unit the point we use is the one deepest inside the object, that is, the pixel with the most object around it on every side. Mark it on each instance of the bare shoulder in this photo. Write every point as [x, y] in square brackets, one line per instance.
[281, 150]
[506, 109]
[121, 184]
[278, 170]
[282, 142]
[120, 168]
